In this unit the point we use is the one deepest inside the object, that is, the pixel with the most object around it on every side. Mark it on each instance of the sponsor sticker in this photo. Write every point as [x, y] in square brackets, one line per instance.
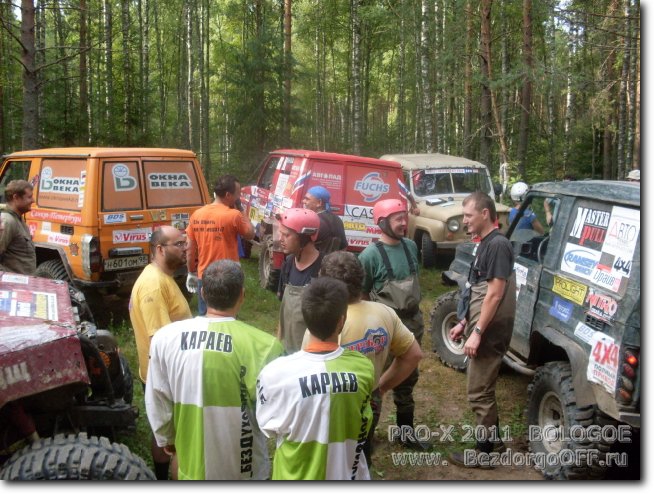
[132, 236]
[56, 217]
[14, 278]
[169, 181]
[58, 238]
[579, 260]
[358, 212]
[354, 226]
[590, 226]
[113, 218]
[561, 309]
[569, 289]
[605, 277]
[623, 232]
[584, 333]
[601, 306]
[58, 185]
[371, 187]
[603, 361]
[123, 181]
[521, 273]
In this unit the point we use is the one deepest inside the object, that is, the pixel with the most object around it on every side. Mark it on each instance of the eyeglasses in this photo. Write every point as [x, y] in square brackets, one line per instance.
[181, 244]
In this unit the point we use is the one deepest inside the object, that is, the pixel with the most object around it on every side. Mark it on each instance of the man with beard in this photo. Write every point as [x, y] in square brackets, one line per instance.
[17, 253]
[155, 302]
[391, 277]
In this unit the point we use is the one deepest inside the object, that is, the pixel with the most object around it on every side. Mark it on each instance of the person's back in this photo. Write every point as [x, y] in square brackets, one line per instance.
[317, 401]
[200, 397]
[215, 365]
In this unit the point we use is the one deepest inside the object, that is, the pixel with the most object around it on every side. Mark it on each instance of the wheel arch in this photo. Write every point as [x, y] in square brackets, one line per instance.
[548, 345]
[47, 252]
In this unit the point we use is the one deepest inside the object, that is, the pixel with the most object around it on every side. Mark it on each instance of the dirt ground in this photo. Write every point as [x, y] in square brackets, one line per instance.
[441, 403]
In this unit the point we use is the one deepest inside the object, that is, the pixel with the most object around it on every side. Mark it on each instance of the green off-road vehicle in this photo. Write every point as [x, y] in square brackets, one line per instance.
[577, 326]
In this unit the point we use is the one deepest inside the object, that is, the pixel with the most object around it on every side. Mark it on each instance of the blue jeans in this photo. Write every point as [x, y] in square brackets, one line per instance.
[202, 305]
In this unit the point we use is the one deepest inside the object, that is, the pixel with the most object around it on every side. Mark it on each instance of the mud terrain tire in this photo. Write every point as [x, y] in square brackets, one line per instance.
[75, 457]
[551, 402]
[268, 276]
[443, 318]
[427, 251]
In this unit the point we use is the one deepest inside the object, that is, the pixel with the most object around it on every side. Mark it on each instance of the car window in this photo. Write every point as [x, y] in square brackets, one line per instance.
[267, 177]
[121, 186]
[529, 230]
[171, 184]
[15, 170]
[62, 184]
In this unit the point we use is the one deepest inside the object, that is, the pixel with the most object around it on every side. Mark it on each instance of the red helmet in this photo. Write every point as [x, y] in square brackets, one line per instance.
[385, 208]
[301, 221]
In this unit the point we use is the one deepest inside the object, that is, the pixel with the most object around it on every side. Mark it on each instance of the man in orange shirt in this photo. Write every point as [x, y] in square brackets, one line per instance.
[212, 233]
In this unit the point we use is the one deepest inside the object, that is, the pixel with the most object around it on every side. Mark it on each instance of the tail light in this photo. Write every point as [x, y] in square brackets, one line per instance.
[628, 374]
[91, 258]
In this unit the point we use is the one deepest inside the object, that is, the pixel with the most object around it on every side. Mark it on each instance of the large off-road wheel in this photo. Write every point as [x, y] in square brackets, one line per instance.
[443, 318]
[427, 250]
[75, 457]
[54, 269]
[268, 276]
[552, 412]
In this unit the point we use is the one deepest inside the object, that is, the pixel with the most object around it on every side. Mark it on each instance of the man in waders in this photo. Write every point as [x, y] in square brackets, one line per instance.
[391, 277]
[298, 230]
[489, 325]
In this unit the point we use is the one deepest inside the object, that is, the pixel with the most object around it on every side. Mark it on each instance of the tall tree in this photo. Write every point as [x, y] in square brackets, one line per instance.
[525, 98]
[30, 82]
[485, 109]
[288, 74]
[83, 116]
[425, 64]
[357, 106]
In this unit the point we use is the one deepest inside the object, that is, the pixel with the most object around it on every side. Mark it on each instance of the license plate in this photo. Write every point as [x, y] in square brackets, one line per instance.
[125, 262]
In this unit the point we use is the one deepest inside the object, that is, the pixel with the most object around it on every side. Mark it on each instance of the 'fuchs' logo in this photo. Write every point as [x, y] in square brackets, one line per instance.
[371, 187]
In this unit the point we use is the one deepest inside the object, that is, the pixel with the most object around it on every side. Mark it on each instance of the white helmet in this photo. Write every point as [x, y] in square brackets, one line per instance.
[518, 191]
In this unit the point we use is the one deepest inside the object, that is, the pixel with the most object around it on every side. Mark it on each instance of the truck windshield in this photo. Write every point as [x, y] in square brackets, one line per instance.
[450, 181]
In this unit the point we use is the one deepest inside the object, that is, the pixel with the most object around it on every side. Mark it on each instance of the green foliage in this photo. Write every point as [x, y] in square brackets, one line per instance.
[151, 92]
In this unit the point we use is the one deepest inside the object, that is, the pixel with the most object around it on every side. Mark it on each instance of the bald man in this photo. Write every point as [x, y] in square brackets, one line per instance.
[155, 302]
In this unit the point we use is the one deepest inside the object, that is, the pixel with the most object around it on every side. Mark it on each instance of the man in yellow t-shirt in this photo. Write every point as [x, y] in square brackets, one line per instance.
[156, 301]
[213, 232]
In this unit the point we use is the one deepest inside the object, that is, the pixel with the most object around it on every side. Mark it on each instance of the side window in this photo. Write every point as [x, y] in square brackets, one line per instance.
[171, 184]
[121, 186]
[530, 235]
[266, 179]
[15, 170]
[62, 184]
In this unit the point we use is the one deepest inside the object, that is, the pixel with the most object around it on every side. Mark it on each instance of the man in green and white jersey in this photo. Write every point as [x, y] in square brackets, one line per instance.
[317, 401]
[200, 397]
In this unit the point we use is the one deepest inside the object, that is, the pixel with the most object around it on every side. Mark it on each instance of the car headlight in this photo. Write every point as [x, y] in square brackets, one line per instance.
[453, 225]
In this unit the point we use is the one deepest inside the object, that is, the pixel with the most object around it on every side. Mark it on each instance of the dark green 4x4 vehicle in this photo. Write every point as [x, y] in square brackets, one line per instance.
[577, 326]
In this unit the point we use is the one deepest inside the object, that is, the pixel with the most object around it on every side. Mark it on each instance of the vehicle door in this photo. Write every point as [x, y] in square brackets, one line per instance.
[532, 252]
[138, 195]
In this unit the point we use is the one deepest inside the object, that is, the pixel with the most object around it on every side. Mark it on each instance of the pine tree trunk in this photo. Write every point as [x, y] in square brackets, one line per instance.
[525, 100]
[128, 94]
[108, 70]
[467, 85]
[425, 65]
[485, 107]
[288, 75]
[83, 116]
[30, 87]
[357, 118]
